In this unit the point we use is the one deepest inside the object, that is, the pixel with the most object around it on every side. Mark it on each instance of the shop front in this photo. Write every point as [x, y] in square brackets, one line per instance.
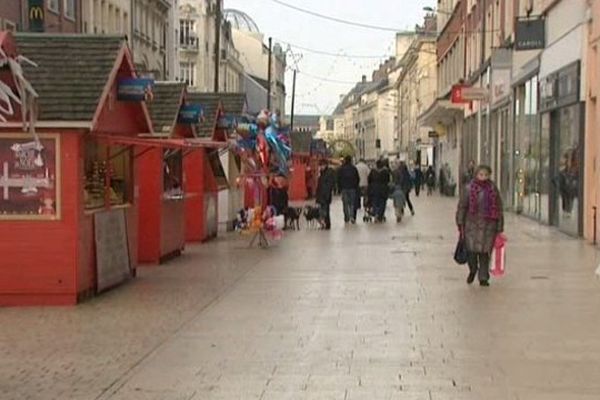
[562, 150]
[68, 206]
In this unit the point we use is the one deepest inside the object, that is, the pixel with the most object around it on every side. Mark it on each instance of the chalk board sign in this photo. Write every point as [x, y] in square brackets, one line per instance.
[113, 265]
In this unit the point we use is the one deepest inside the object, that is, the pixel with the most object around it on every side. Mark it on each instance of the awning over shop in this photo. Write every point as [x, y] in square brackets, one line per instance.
[442, 112]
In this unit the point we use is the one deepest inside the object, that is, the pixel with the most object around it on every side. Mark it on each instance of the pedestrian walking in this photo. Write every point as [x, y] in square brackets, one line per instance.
[403, 180]
[430, 180]
[480, 220]
[363, 181]
[468, 175]
[378, 190]
[325, 187]
[348, 182]
[418, 179]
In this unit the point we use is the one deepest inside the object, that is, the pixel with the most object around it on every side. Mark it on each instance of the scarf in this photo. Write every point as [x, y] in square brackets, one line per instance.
[490, 200]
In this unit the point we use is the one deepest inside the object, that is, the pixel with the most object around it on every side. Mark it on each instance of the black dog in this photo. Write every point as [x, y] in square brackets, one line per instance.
[292, 218]
[313, 216]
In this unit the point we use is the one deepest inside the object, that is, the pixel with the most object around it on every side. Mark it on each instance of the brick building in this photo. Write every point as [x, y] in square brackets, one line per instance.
[55, 16]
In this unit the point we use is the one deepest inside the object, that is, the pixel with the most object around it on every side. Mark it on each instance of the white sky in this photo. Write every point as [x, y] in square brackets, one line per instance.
[315, 96]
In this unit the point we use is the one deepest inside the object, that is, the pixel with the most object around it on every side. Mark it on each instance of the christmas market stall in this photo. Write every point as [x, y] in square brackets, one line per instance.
[221, 113]
[161, 205]
[68, 207]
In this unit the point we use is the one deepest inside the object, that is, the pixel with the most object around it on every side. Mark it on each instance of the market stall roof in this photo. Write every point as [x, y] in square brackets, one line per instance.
[213, 103]
[164, 109]
[71, 74]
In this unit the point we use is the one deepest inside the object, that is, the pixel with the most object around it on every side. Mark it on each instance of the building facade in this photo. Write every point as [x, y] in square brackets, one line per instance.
[198, 49]
[592, 142]
[417, 90]
[107, 17]
[55, 16]
[153, 28]
[254, 57]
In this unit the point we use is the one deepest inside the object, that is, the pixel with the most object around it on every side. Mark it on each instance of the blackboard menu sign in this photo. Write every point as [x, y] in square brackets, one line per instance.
[113, 265]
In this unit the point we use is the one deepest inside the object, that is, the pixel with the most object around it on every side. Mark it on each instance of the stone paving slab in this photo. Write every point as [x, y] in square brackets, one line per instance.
[362, 312]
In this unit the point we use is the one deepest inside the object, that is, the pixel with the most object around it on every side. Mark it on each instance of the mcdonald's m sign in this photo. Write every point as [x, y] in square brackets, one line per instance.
[36, 15]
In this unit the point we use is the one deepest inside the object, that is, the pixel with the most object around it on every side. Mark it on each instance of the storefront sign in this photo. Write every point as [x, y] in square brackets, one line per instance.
[36, 15]
[190, 114]
[29, 177]
[135, 89]
[112, 249]
[227, 122]
[530, 34]
[466, 94]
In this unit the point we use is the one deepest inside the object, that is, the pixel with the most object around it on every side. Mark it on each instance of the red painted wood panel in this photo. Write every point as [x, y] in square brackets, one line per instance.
[193, 167]
[39, 258]
[172, 235]
[149, 178]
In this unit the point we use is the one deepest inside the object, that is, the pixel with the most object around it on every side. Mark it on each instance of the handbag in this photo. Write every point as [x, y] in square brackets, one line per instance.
[499, 256]
[460, 254]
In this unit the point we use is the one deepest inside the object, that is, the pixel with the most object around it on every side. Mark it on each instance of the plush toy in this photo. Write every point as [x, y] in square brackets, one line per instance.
[47, 207]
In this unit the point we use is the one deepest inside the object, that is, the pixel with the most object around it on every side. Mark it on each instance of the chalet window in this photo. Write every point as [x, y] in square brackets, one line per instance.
[108, 175]
[172, 174]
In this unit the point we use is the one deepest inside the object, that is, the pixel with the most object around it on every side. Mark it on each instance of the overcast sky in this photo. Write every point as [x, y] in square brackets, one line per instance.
[315, 96]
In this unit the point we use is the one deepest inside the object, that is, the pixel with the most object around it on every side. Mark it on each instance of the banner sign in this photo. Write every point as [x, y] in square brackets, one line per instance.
[466, 94]
[29, 177]
[36, 15]
[135, 89]
[530, 34]
[190, 114]
[227, 121]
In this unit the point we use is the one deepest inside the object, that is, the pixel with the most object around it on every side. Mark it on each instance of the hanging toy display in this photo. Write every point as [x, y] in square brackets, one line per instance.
[264, 150]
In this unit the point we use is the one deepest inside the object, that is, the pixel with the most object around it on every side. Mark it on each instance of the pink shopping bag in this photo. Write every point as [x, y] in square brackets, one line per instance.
[499, 255]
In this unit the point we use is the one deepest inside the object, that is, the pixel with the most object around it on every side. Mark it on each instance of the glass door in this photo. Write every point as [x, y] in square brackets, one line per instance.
[567, 170]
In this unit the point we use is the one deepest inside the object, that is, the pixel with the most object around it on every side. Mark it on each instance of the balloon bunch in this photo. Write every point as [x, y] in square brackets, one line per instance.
[263, 145]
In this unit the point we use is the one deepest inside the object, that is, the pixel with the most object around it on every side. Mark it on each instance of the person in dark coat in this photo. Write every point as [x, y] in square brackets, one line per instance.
[379, 187]
[418, 179]
[480, 220]
[348, 183]
[403, 180]
[325, 187]
[430, 180]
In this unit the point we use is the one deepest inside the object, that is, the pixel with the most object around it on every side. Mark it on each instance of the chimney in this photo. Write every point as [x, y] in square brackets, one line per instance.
[364, 79]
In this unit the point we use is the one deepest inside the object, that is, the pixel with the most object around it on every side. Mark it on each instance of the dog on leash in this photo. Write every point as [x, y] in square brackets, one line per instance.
[292, 218]
[312, 216]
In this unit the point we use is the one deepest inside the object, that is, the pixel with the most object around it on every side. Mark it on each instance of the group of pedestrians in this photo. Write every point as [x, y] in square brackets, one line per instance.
[361, 186]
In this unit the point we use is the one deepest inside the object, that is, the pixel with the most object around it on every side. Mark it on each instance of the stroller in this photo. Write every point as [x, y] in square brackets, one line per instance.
[399, 199]
[369, 214]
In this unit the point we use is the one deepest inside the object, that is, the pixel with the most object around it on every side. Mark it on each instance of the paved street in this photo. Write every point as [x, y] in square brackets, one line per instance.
[363, 312]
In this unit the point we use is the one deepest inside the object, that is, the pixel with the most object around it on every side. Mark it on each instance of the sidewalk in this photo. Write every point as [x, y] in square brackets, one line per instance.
[362, 312]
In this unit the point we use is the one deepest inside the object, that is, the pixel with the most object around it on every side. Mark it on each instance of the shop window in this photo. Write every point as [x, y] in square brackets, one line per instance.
[29, 177]
[172, 174]
[218, 170]
[108, 175]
